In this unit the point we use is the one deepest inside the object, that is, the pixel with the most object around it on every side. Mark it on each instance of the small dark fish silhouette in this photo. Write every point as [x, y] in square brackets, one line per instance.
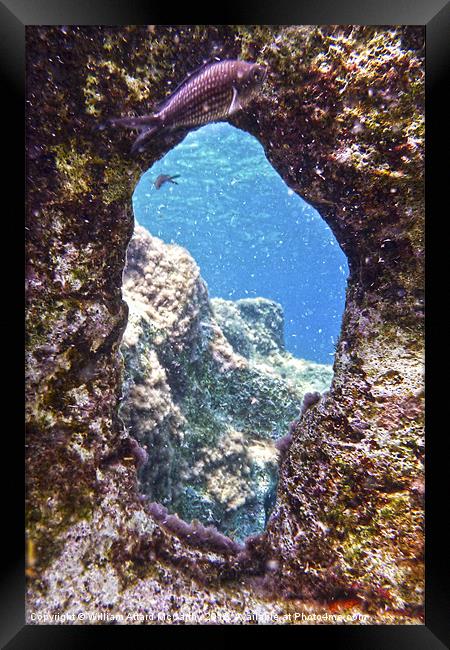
[163, 178]
[211, 94]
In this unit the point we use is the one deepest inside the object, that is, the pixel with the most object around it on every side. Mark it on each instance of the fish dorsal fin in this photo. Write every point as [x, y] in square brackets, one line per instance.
[159, 107]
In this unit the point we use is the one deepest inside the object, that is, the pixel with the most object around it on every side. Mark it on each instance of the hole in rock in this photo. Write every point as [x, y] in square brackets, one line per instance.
[236, 290]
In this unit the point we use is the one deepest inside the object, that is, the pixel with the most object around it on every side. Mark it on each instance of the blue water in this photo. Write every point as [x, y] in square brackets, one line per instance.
[249, 233]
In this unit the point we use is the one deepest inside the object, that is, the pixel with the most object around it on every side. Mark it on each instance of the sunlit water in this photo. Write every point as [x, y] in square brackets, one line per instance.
[249, 233]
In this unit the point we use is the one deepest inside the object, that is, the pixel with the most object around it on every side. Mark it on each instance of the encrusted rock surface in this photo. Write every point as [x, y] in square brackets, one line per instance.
[206, 415]
[252, 325]
[341, 118]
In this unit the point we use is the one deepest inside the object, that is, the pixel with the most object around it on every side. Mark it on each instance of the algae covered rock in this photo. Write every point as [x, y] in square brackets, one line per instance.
[252, 325]
[255, 329]
[341, 119]
[206, 415]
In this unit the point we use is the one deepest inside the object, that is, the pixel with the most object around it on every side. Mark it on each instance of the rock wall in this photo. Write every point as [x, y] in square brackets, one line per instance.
[341, 118]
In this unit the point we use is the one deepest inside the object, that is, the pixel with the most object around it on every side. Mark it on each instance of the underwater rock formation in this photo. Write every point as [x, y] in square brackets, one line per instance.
[205, 415]
[341, 118]
[252, 325]
[255, 329]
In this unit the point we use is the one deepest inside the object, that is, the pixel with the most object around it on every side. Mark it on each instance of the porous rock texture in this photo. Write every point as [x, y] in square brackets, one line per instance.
[206, 407]
[341, 118]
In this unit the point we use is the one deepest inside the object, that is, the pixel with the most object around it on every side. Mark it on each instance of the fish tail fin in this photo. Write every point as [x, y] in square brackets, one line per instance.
[147, 125]
[172, 177]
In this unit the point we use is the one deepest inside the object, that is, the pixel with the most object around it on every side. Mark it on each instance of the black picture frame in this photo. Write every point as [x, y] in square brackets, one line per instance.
[14, 16]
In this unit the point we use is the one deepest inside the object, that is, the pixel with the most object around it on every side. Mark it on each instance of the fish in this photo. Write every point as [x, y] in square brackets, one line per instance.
[163, 178]
[212, 93]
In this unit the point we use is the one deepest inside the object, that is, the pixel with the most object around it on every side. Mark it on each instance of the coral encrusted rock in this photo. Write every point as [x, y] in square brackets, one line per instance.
[341, 119]
[206, 415]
